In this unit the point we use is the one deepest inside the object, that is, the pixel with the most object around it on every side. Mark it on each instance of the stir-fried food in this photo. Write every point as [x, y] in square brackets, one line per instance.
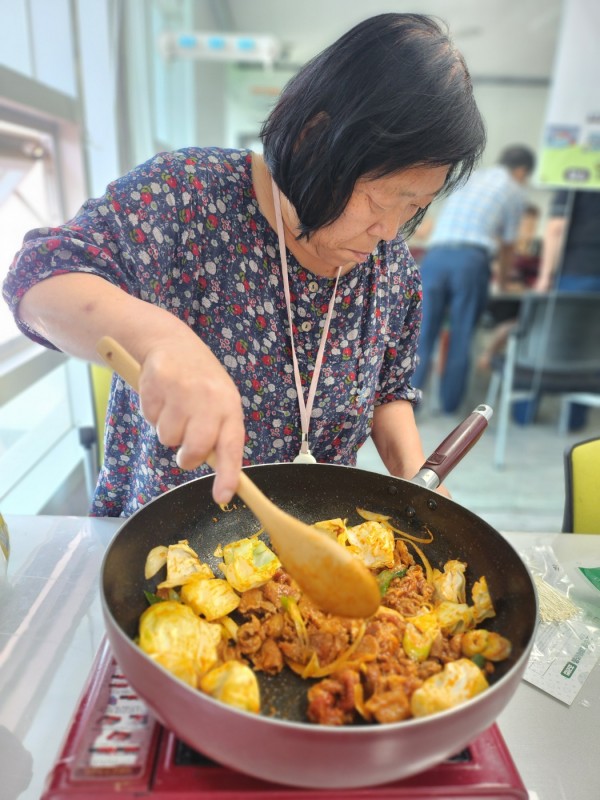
[422, 652]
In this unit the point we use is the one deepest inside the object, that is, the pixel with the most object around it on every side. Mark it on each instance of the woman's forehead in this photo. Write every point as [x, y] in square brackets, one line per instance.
[422, 179]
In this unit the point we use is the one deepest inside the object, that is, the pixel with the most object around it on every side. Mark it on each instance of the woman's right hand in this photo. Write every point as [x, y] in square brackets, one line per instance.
[189, 397]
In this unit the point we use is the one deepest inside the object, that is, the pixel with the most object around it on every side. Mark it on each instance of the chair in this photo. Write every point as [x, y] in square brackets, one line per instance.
[553, 349]
[590, 399]
[582, 487]
[92, 437]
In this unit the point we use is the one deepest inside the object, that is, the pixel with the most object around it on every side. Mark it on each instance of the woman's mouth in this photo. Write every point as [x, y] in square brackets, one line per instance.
[359, 256]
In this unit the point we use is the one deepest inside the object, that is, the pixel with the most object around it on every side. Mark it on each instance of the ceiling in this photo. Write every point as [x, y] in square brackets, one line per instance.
[512, 39]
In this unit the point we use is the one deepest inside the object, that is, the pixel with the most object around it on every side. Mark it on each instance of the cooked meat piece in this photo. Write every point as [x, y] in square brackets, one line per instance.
[446, 649]
[250, 636]
[391, 703]
[408, 594]
[294, 650]
[281, 584]
[269, 658]
[331, 701]
[228, 652]
[428, 668]
[326, 646]
[388, 632]
[253, 602]
[274, 625]
[368, 648]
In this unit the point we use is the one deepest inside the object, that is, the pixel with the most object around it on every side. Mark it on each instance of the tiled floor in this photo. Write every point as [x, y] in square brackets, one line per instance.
[528, 493]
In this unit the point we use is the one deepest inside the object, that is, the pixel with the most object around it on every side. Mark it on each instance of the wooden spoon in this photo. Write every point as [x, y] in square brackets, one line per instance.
[334, 579]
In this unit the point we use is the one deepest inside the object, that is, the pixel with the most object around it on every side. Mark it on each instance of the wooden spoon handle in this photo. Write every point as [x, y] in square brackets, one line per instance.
[118, 359]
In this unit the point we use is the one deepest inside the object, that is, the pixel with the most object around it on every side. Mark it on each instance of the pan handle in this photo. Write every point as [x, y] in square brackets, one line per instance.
[453, 449]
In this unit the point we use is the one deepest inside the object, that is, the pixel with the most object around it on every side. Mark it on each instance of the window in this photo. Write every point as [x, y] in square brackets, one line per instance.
[29, 196]
[44, 396]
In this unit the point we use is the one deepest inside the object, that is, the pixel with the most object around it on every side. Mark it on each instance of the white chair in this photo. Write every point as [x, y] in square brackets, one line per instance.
[590, 399]
[554, 349]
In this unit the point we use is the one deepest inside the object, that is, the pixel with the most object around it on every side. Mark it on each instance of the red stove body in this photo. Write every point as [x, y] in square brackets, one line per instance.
[114, 748]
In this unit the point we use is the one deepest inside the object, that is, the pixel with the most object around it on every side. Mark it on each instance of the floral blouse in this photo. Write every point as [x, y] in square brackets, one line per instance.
[184, 231]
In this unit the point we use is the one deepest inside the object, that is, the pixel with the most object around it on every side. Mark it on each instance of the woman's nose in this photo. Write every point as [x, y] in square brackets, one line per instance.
[386, 227]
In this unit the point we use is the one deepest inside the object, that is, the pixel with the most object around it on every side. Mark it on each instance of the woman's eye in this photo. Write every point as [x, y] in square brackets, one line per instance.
[376, 207]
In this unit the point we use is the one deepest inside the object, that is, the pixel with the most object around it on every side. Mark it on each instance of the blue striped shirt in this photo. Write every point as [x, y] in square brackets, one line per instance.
[486, 211]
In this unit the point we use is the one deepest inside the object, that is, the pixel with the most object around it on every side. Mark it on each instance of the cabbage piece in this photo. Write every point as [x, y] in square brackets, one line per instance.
[454, 617]
[483, 608]
[172, 629]
[182, 562]
[450, 584]
[209, 598]
[248, 563]
[233, 683]
[458, 682]
[373, 542]
[334, 528]
[180, 665]
[427, 621]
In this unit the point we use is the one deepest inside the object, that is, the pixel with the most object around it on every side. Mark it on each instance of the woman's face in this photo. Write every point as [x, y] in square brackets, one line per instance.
[376, 211]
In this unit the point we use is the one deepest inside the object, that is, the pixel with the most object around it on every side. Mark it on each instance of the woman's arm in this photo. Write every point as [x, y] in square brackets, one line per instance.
[398, 441]
[185, 393]
[551, 248]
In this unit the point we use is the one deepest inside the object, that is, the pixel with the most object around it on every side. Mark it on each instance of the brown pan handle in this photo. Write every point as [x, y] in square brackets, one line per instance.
[454, 448]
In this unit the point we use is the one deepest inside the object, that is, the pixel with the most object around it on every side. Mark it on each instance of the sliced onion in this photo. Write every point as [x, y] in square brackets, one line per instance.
[313, 669]
[155, 561]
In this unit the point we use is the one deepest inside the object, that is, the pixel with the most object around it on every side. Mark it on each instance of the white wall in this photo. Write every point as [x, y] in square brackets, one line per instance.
[514, 114]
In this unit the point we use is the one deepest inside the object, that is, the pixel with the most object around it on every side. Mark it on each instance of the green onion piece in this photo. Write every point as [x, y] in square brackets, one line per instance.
[386, 576]
[152, 598]
[290, 606]
[479, 660]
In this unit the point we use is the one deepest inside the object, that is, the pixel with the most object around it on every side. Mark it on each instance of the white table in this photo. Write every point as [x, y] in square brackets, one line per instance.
[51, 627]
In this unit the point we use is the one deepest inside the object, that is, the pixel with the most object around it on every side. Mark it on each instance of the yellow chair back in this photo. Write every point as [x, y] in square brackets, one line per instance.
[582, 487]
[101, 378]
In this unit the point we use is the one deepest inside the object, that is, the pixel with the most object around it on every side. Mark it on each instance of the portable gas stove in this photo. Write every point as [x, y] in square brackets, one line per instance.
[115, 748]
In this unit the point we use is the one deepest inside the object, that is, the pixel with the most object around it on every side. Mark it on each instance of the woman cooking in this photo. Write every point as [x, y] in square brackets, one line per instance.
[270, 299]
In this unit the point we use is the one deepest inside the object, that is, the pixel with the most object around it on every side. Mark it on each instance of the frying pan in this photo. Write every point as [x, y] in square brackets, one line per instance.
[279, 745]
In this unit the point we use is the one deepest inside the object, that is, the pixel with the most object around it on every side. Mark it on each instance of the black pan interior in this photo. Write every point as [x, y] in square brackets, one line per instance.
[312, 493]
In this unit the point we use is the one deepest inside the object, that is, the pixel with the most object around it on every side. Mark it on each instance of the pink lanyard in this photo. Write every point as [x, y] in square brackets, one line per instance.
[304, 456]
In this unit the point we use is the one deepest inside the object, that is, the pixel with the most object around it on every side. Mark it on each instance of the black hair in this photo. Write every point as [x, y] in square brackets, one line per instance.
[391, 93]
[516, 156]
